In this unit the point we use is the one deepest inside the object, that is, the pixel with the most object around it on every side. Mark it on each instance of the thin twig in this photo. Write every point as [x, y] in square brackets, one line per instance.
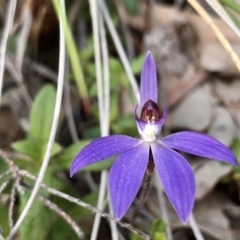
[4, 174]
[6, 31]
[68, 108]
[12, 201]
[22, 39]
[13, 167]
[127, 34]
[58, 211]
[17, 76]
[120, 50]
[4, 185]
[41, 69]
[37, 67]
[85, 205]
[201, 11]
[197, 233]
[63, 214]
[52, 133]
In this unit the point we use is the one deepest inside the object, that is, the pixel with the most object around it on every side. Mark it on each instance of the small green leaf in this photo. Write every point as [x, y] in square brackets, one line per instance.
[134, 236]
[66, 158]
[158, 225]
[72, 50]
[55, 149]
[87, 53]
[236, 147]
[38, 221]
[158, 230]
[125, 125]
[131, 5]
[159, 236]
[3, 220]
[137, 64]
[91, 199]
[231, 4]
[29, 148]
[33, 149]
[42, 114]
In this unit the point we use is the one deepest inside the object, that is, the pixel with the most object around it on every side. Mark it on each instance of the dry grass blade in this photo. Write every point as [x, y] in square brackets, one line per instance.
[6, 31]
[217, 7]
[52, 133]
[202, 12]
[120, 50]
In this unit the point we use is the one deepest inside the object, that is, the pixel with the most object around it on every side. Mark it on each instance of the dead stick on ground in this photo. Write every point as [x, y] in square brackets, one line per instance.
[58, 211]
[85, 205]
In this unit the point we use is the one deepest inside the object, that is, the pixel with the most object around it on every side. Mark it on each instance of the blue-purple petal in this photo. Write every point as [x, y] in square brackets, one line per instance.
[200, 145]
[125, 178]
[177, 178]
[148, 85]
[102, 148]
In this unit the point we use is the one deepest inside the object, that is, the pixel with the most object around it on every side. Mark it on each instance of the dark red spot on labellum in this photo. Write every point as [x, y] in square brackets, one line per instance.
[150, 112]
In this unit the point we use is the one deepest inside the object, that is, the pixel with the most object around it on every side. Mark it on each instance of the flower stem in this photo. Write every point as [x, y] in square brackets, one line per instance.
[158, 186]
[198, 235]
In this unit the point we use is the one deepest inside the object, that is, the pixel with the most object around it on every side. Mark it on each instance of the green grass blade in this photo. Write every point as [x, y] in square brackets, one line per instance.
[73, 54]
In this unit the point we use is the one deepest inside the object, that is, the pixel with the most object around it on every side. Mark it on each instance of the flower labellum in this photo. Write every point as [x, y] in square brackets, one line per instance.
[128, 170]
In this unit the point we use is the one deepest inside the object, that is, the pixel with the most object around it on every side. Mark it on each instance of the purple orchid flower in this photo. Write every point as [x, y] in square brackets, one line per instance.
[128, 170]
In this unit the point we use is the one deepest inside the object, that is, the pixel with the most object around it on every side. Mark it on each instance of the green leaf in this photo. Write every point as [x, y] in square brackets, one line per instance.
[137, 64]
[231, 4]
[134, 236]
[232, 16]
[131, 5]
[158, 229]
[66, 158]
[29, 148]
[72, 50]
[3, 165]
[42, 114]
[159, 236]
[125, 125]
[4, 220]
[87, 53]
[91, 199]
[77, 213]
[38, 221]
[236, 147]
[33, 149]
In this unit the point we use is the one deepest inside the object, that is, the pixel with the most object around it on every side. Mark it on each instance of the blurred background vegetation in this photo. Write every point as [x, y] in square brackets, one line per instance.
[199, 83]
